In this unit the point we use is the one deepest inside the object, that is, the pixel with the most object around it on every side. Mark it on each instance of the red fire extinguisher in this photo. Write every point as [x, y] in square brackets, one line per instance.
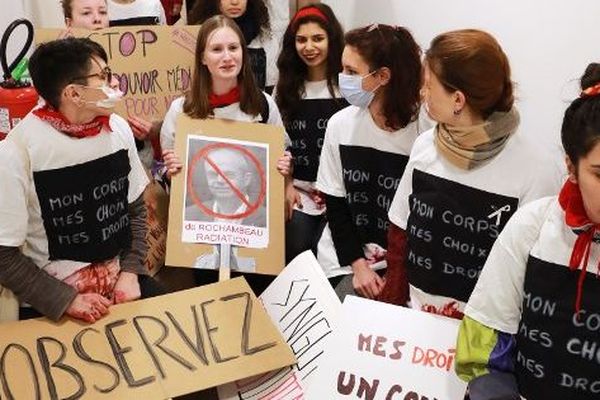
[17, 97]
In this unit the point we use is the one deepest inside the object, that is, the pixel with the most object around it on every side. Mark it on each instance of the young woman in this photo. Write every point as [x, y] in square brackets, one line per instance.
[72, 231]
[465, 177]
[531, 324]
[85, 14]
[365, 151]
[222, 67]
[307, 95]
[257, 24]
[136, 12]
[222, 86]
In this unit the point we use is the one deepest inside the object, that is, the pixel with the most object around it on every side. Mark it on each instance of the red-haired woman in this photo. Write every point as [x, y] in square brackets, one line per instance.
[465, 177]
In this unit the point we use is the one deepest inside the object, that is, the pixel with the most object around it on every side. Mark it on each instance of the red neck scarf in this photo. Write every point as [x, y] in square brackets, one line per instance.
[587, 232]
[221, 100]
[60, 123]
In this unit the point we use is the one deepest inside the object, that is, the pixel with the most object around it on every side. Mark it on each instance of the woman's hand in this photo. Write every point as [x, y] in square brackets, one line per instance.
[172, 162]
[143, 129]
[292, 198]
[88, 307]
[127, 288]
[285, 165]
[366, 282]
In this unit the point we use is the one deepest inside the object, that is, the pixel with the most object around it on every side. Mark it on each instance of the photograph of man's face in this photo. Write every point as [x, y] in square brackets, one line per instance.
[226, 182]
[228, 175]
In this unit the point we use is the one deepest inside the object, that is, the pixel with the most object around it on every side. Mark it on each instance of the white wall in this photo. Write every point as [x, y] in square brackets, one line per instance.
[11, 10]
[548, 42]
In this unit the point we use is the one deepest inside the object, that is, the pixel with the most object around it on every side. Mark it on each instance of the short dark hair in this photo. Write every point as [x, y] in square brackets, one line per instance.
[54, 65]
[580, 130]
[293, 71]
[395, 48]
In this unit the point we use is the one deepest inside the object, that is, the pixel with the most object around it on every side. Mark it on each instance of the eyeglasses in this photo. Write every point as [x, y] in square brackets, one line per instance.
[105, 74]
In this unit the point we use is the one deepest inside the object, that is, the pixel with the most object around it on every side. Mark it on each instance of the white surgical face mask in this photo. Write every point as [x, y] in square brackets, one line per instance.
[113, 96]
[351, 89]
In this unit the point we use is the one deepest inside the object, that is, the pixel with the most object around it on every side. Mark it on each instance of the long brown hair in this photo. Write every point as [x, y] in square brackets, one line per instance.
[196, 103]
[395, 48]
[473, 62]
[293, 71]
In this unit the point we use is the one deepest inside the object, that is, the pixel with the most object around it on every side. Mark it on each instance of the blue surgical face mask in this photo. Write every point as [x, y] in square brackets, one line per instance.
[352, 90]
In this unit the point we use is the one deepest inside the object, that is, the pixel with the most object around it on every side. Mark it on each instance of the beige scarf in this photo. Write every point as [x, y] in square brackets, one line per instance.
[472, 146]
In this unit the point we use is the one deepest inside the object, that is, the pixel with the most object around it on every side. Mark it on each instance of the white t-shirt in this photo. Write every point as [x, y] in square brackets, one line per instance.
[455, 215]
[279, 17]
[232, 111]
[140, 12]
[64, 200]
[363, 163]
[526, 289]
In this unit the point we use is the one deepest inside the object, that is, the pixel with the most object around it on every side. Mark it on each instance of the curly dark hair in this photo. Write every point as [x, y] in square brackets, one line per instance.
[257, 9]
[395, 48]
[293, 71]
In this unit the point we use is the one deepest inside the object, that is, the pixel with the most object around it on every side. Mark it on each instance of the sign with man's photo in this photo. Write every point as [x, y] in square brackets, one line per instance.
[226, 192]
[230, 193]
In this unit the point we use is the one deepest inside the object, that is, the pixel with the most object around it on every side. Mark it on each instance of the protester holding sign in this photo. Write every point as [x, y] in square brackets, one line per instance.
[465, 177]
[255, 19]
[222, 66]
[531, 324]
[365, 151]
[72, 232]
[307, 95]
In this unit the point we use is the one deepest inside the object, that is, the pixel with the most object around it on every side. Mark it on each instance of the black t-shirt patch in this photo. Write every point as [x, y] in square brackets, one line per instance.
[85, 208]
[451, 229]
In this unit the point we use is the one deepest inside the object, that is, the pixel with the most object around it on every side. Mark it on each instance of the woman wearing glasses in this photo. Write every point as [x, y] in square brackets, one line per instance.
[72, 232]
[93, 15]
[465, 177]
[307, 95]
[365, 151]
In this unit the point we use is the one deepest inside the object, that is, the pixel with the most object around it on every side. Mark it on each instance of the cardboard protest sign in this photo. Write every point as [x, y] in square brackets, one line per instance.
[381, 351]
[227, 160]
[151, 349]
[153, 64]
[157, 207]
[303, 305]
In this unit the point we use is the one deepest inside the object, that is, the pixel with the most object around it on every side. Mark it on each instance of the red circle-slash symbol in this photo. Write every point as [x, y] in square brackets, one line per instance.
[202, 154]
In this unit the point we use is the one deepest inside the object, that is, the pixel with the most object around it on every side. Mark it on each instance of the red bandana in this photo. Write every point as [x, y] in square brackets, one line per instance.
[221, 100]
[587, 232]
[60, 123]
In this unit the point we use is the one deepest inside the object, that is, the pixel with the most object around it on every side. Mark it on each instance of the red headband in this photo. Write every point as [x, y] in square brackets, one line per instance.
[310, 11]
[591, 91]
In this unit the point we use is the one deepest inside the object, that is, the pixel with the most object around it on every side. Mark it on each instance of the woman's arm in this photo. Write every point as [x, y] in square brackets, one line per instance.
[33, 285]
[396, 289]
